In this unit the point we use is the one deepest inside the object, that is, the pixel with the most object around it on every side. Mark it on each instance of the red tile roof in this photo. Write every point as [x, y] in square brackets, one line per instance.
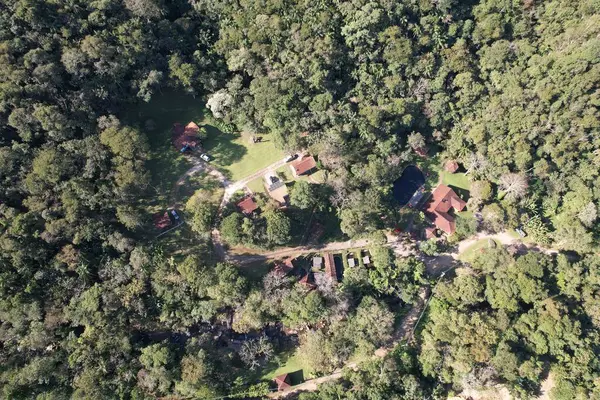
[162, 221]
[451, 166]
[185, 136]
[330, 269]
[307, 281]
[248, 205]
[283, 382]
[437, 209]
[430, 232]
[284, 267]
[304, 165]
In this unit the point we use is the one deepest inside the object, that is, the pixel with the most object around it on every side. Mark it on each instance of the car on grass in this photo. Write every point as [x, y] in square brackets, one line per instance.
[205, 157]
[291, 157]
[175, 215]
[521, 232]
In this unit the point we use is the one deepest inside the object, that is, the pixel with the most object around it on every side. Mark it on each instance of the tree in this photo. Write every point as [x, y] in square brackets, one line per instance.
[513, 185]
[255, 352]
[203, 214]
[231, 228]
[466, 225]
[305, 195]
[588, 214]
[429, 247]
[278, 227]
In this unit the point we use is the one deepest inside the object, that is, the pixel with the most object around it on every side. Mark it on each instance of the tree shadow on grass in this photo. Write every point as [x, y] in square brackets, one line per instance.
[222, 147]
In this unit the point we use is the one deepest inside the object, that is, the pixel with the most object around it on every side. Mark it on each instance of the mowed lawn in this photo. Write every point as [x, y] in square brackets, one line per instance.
[235, 153]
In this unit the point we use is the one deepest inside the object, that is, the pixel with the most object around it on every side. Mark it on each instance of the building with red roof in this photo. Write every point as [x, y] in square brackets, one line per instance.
[330, 268]
[308, 282]
[162, 221]
[451, 166]
[185, 137]
[438, 208]
[248, 205]
[284, 267]
[303, 166]
[430, 232]
[283, 382]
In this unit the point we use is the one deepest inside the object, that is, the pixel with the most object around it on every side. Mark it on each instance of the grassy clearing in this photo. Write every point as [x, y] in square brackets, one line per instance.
[236, 154]
[476, 248]
[257, 185]
[284, 364]
[457, 180]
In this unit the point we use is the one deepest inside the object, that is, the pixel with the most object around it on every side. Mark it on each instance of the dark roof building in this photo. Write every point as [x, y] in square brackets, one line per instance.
[303, 166]
[248, 205]
[438, 208]
[162, 221]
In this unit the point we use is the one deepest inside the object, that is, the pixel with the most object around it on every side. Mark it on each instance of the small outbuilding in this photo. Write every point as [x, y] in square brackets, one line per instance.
[283, 382]
[162, 220]
[317, 262]
[308, 281]
[330, 267]
[284, 267]
[351, 262]
[451, 166]
[366, 260]
[430, 232]
[185, 137]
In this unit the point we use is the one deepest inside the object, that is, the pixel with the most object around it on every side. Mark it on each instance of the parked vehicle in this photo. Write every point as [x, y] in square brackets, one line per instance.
[175, 215]
[291, 157]
[205, 157]
[521, 232]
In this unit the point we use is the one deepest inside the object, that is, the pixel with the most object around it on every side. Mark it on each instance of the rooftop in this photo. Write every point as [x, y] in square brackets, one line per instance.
[248, 205]
[443, 200]
[303, 165]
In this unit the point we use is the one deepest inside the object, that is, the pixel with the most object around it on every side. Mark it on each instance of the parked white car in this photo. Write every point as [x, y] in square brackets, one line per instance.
[205, 157]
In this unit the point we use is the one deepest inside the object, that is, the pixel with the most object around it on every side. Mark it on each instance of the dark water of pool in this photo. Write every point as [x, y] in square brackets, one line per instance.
[409, 182]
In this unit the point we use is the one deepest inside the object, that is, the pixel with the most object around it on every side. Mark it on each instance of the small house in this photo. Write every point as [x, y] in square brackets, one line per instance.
[283, 382]
[248, 205]
[284, 267]
[162, 220]
[185, 137]
[305, 165]
[308, 281]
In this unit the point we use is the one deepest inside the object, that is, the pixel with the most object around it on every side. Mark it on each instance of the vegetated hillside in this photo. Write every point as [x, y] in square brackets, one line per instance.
[90, 307]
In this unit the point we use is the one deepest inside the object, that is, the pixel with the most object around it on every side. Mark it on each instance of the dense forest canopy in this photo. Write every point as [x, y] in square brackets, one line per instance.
[90, 304]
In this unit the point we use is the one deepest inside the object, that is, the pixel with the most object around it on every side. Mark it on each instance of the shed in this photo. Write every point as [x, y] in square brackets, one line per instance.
[185, 138]
[366, 260]
[162, 220]
[317, 262]
[451, 166]
[284, 267]
[351, 262]
[430, 232]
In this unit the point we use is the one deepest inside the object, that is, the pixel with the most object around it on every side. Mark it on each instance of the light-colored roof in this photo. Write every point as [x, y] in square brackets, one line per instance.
[367, 260]
[351, 262]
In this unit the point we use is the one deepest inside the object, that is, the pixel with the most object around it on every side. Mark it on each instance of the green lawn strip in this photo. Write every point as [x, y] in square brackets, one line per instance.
[283, 364]
[475, 249]
[257, 185]
[457, 180]
[237, 154]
